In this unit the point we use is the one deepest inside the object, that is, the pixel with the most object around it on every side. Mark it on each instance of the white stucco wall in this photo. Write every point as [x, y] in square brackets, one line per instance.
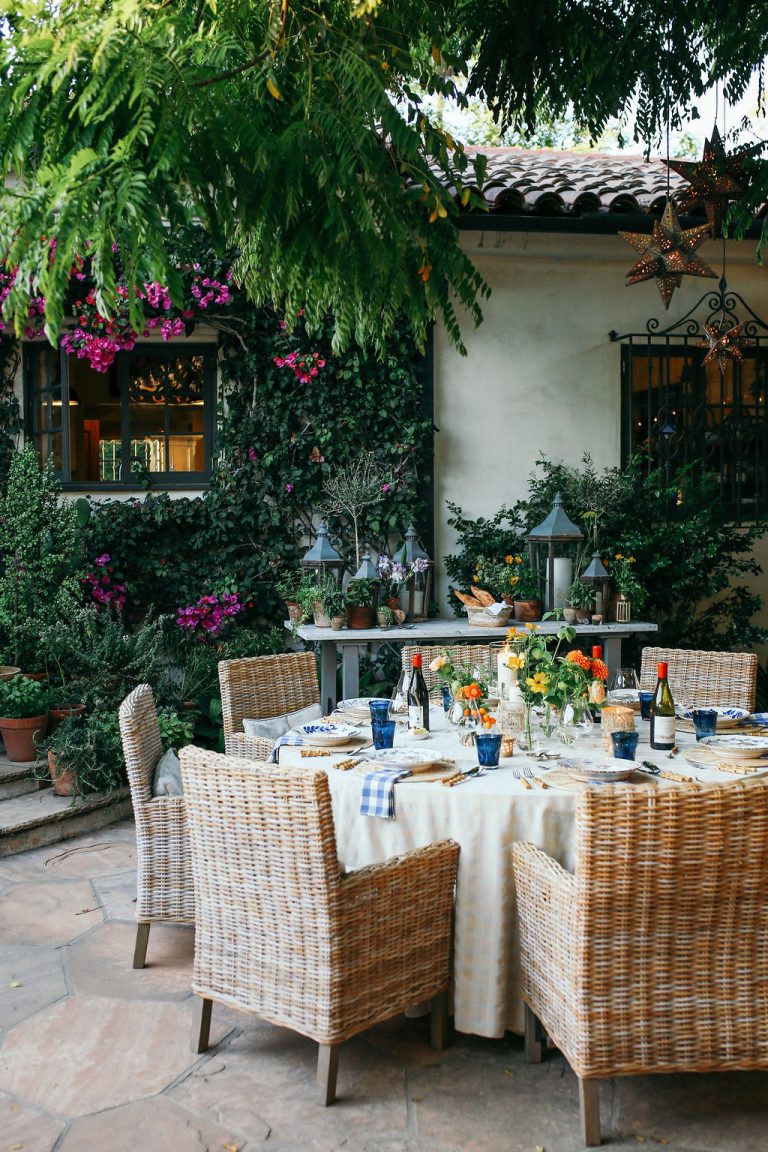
[541, 375]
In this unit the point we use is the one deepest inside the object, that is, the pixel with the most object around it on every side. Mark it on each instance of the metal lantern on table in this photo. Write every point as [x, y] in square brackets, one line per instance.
[418, 588]
[549, 544]
[323, 558]
[596, 575]
[367, 571]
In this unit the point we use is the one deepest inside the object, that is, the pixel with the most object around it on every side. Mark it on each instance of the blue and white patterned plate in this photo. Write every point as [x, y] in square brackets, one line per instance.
[733, 714]
[327, 734]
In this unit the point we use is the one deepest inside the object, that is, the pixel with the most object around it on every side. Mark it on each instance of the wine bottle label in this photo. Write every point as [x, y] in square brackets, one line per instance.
[664, 730]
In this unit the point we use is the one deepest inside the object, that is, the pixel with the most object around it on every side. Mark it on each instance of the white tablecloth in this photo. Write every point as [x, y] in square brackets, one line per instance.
[485, 815]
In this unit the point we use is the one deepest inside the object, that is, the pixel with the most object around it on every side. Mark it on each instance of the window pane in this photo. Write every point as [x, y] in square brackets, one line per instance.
[94, 423]
[44, 385]
[167, 395]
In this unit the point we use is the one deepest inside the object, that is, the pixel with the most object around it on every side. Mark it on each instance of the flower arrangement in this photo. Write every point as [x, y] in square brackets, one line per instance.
[546, 676]
[209, 615]
[624, 578]
[528, 585]
[469, 691]
[394, 573]
[499, 577]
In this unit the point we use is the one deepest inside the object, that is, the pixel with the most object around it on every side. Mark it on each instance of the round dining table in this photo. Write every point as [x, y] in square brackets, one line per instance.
[485, 814]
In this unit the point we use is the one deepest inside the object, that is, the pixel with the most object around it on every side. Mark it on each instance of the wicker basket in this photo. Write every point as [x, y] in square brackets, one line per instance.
[482, 618]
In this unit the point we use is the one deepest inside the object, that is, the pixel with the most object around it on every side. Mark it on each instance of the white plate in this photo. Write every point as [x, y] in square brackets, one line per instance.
[737, 747]
[416, 734]
[327, 734]
[402, 758]
[733, 714]
[629, 696]
[606, 768]
[357, 704]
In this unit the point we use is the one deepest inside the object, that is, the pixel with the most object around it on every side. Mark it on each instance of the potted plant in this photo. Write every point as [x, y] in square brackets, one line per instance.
[288, 586]
[85, 754]
[64, 701]
[335, 605]
[359, 602]
[527, 590]
[385, 617]
[23, 717]
[499, 577]
[629, 590]
[318, 594]
[580, 602]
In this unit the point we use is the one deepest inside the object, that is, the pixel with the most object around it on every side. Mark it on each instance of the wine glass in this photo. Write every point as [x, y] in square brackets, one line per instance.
[623, 680]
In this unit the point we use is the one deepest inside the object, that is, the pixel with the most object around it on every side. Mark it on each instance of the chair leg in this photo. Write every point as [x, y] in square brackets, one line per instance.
[140, 950]
[438, 1021]
[532, 1036]
[589, 1106]
[201, 1031]
[327, 1067]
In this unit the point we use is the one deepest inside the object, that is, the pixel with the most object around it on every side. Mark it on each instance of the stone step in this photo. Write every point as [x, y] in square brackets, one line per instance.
[17, 779]
[39, 818]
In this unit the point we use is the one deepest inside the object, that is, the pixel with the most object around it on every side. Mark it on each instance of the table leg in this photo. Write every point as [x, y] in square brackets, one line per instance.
[328, 674]
[350, 671]
[612, 652]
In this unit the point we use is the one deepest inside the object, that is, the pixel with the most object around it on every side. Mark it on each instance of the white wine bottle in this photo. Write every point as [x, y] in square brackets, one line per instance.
[662, 713]
[418, 697]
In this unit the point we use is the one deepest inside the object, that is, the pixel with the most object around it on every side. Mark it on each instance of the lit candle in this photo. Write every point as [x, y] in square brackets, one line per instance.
[507, 676]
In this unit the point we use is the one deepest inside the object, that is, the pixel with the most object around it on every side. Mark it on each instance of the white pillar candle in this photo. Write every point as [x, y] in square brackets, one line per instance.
[563, 578]
[507, 676]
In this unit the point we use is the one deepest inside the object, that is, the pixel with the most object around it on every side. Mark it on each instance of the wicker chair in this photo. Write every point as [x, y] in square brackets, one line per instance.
[704, 678]
[470, 654]
[283, 933]
[258, 687]
[164, 886]
[650, 958]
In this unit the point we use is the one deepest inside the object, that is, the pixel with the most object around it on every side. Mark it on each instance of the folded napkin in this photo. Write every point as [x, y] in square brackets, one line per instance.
[288, 738]
[378, 795]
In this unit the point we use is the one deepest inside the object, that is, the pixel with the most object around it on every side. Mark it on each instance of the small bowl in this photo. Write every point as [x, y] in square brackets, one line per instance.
[417, 734]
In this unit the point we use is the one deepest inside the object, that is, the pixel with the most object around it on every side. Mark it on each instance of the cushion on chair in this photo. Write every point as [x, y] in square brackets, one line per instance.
[275, 726]
[167, 778]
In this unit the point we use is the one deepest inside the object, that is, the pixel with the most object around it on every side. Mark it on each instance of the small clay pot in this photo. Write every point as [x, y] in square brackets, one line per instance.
[527, 610]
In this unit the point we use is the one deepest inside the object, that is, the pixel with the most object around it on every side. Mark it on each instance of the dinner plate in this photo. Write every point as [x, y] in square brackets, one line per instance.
[412, 758]
[357, 704]
[723, 714]
[327, 734]
[628, 696]
[737, 747]
[605, 768]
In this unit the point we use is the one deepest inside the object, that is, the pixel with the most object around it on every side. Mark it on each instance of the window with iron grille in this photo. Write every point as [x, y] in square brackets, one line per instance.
[148, 420]
[711, 417]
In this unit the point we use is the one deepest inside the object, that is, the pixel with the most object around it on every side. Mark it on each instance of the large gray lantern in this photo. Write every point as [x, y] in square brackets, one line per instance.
[416, 594]
[596, 575]
[549, 541]
[323, 558]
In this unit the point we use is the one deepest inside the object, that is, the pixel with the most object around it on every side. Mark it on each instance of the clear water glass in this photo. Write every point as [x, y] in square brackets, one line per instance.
[623, 680]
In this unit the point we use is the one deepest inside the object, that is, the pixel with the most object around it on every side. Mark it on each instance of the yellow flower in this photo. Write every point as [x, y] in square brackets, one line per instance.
[518, 559]
[438, 663]
[630, 560]
[532, 627]
[475, 579]
[619, 556]
[509, 559]
[511, 633]
[515, 661]
[538, 682]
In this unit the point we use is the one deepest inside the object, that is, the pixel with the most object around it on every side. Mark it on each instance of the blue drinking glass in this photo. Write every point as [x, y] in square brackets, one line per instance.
[379, 710]
[488, 749]
[624, 744]
[447, 696]
[645, 705]
[383, 733]
[704, 722]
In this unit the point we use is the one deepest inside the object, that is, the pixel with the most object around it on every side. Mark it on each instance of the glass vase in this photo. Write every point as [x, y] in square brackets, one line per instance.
[575, 720]
[527, 740]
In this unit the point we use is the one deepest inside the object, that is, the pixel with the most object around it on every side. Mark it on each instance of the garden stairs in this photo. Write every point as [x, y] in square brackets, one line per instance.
[32, 816]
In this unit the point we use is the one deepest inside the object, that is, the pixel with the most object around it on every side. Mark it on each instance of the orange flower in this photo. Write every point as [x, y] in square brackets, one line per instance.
[576, 657]
[473, 691]
[599, 669]
[459, 693]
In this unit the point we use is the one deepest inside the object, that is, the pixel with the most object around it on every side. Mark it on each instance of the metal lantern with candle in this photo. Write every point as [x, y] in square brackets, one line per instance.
[596, 575]
[323, 558]
[417, 592]
[550, 544]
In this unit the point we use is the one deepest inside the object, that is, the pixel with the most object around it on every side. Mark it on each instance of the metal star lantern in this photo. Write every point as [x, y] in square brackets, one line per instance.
[668, 253]
[724, 343]
[714, 181]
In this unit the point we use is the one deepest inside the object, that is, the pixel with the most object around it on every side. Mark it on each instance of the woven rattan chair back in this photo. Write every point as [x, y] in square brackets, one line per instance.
[704, 678]
[472, 655]
[258, 687]
[164, 870]
[672, 904]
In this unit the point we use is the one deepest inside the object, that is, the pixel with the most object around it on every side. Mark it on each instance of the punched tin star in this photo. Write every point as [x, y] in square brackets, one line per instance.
[668, 253]
[724, 343]
[713, 181]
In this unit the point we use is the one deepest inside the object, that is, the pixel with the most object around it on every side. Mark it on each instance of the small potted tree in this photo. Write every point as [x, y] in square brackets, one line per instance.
[385, 616]
[581, 598]
[335, 605]
[23, 717]
[359, 603]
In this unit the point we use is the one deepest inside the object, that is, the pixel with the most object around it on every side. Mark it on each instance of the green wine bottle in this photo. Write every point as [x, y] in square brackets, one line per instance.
[662, 713]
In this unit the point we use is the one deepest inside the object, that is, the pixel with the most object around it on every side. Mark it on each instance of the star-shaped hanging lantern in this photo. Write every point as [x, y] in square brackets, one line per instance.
[668, 253]
[713, 181]
[724, 342]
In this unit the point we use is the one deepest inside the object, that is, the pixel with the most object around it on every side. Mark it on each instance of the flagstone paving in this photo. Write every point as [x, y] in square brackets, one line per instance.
[95, 1057]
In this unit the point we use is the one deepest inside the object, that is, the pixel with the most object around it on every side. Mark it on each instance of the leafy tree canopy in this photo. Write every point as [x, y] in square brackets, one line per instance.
[297, 134]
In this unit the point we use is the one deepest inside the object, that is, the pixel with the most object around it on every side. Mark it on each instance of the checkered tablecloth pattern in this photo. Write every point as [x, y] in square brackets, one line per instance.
[378, 795]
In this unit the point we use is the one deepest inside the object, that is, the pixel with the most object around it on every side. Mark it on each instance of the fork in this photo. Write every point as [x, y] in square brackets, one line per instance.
[536, 779]
[516, 773]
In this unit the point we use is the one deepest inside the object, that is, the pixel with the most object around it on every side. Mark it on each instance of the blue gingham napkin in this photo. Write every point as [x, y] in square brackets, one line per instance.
[378, 795]
[291, 739]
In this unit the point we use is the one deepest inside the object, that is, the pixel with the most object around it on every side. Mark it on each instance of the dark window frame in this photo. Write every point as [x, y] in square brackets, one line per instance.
[159, 481]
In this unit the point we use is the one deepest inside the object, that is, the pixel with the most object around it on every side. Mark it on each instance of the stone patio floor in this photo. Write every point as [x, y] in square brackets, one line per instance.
[95, 1056]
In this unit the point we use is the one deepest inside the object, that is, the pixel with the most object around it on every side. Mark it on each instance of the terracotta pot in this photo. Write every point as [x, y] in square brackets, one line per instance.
[582, 615]
[569, 615]
[321, 617]
[35, 675]
[56, 715]
[337, 623]
[393, 602]
[527, 609]
[294, 610]
[63, 782]
[359, 616]
[19, 736]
